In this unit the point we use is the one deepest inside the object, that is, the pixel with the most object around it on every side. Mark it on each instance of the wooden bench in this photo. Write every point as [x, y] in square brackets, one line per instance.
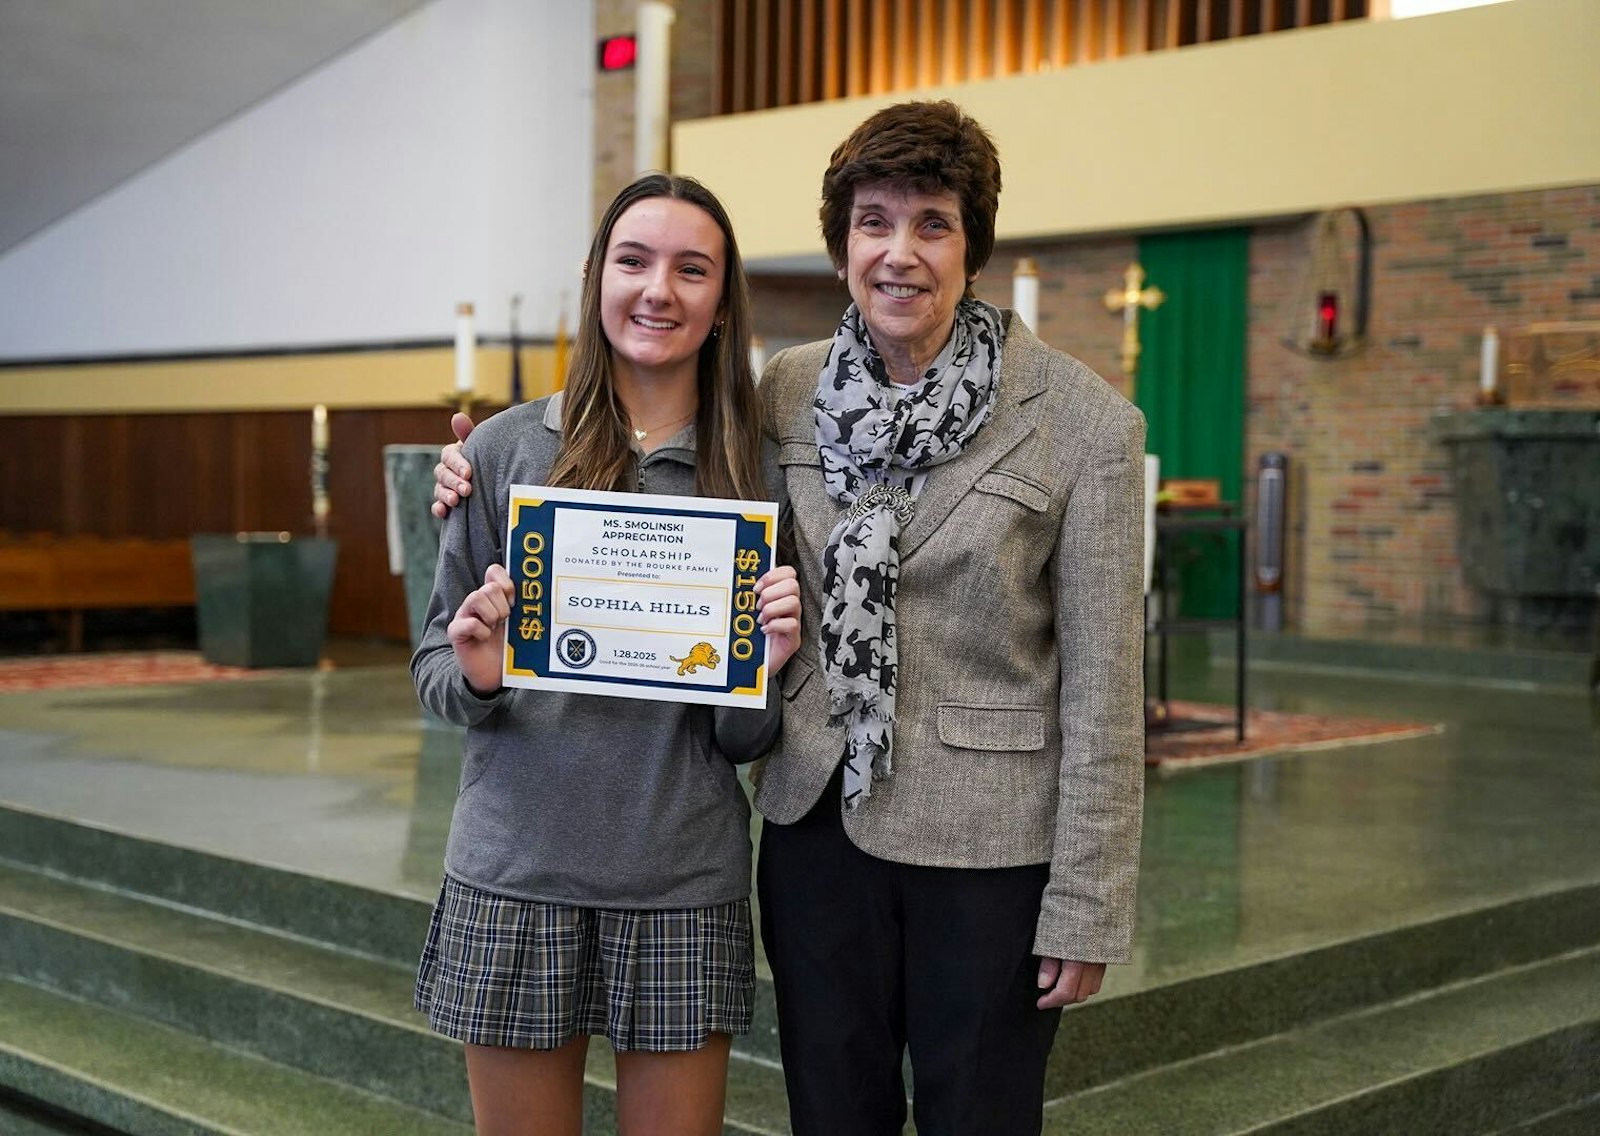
[75, 574]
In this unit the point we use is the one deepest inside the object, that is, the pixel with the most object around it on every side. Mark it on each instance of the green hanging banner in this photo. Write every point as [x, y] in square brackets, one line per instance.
[1191, 384]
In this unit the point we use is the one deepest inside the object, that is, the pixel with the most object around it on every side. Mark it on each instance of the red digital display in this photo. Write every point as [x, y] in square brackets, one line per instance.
[617, 53]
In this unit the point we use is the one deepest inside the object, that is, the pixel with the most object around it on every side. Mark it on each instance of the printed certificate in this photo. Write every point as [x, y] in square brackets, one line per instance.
[637, 595]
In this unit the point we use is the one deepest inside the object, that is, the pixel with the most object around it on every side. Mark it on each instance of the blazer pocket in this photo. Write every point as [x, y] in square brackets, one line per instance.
[1013, 729]
[1023, 490]
[795, 676]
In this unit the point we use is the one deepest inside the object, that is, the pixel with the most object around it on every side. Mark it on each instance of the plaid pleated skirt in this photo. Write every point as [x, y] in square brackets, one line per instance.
[513, 972]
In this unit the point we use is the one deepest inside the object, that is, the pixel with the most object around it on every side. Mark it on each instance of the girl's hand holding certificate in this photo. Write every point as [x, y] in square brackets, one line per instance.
[477, 633]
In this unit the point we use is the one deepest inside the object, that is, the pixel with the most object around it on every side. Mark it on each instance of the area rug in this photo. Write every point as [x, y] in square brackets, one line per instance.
[1266, 732]
[131, 668]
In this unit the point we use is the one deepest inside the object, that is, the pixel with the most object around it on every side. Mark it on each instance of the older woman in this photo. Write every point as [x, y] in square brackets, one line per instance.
[953, 806]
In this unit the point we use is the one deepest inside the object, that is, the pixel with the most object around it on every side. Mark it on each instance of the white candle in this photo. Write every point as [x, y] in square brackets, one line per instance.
[1025, 292]
[319, 468]
[1489, 363]
[466, 348]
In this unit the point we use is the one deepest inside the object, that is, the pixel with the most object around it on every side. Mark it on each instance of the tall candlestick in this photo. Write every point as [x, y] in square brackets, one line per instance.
[319, 468]
[1025, 292]
[1489, 367]
[466, 349]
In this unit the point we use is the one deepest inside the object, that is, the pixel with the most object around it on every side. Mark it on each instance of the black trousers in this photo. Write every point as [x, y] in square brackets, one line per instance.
[870, 957]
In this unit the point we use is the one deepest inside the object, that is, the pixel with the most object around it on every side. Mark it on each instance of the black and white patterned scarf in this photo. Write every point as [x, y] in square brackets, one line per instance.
[876, 442]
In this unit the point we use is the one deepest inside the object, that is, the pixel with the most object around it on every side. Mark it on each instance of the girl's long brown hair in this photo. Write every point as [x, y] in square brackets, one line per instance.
[594, 450]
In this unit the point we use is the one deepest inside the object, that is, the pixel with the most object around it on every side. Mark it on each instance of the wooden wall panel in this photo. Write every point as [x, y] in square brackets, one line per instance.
[173, 475]
[31, 462]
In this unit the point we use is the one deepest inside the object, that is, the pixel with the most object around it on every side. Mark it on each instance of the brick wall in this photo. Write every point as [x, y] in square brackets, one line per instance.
[1372, 534]
[1073, 278]
[796, 309]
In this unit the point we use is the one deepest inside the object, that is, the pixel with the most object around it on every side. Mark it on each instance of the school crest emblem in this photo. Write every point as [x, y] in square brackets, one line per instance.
[576, 648]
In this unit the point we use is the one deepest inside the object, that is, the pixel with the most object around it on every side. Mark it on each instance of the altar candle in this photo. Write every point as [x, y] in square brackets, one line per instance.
[319, 468]
[1025, 292]
[466, 348]
[1489, 365]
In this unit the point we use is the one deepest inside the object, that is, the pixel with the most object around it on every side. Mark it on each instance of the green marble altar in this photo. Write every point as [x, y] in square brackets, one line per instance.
[262, 598]
[413, 530]
[1527, 485]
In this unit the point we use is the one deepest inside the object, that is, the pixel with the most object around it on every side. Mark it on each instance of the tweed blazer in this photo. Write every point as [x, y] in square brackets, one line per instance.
[1019, 735]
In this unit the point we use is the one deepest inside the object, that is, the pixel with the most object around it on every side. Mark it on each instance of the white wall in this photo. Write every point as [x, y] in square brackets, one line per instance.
[448, 158]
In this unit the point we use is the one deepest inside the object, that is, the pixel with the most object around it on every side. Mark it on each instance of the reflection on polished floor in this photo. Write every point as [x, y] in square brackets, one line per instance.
[1324, 862]
[335, 773]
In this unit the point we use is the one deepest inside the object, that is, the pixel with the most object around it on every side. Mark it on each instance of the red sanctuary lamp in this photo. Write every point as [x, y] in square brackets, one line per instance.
[1326, 341]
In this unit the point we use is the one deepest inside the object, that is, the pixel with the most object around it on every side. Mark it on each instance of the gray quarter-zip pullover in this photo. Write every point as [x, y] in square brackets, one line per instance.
[575, 798]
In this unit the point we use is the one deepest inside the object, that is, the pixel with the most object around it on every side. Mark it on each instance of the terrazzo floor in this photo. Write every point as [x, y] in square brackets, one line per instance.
[335, 773]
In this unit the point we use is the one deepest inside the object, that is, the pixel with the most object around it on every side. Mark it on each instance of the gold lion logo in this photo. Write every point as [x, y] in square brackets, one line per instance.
[700, 655]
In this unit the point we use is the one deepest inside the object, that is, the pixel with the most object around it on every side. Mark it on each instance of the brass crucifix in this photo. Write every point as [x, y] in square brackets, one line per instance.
[1128, 300]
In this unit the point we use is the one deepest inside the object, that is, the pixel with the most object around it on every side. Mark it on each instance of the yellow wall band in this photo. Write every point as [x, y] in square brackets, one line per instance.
[348, 380]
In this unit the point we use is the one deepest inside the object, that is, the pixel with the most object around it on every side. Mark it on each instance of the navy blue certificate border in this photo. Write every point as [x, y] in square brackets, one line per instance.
[528, 632]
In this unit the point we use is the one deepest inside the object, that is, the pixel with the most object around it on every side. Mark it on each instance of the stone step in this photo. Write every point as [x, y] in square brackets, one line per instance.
[330, 1013]
[352, 918]
[1109, 1038]
[138, 1077]
[1114, 1037]
[347, 917]
[1473, 1057]
[326, 1012]
[19, 1117]
[1581, 1119]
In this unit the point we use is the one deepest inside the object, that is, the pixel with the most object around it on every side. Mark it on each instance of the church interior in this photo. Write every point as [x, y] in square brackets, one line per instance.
[1344, 254]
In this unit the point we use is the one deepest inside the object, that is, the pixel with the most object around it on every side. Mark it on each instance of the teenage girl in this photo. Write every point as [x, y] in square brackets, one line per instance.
[597, 875]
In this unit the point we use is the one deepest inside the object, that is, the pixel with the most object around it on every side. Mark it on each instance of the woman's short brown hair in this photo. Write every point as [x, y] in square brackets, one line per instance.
[925, 147]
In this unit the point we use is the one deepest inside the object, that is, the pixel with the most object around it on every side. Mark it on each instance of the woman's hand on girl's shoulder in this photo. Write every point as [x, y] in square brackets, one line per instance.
[778, 612]
[452, 477]
[475, 632]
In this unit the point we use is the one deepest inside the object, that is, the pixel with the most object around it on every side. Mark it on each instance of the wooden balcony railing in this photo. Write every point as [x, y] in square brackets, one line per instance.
[774, 53]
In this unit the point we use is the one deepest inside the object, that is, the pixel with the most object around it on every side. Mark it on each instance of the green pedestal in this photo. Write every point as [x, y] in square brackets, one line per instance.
[262, 598]
[1527, 486]
[413, 530]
